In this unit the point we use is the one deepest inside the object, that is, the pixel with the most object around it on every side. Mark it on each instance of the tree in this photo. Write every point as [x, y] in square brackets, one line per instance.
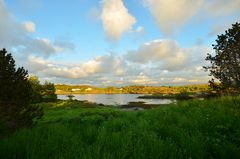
[48, 91]
[42, 92]
[37, 89]
[225, 65]
[16, 110]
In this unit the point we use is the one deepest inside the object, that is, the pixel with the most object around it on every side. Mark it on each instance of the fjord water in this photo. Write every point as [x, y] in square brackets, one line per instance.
[116, 99]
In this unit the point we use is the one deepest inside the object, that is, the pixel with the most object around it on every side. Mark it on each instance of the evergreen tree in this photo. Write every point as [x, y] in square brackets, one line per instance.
[16, 110]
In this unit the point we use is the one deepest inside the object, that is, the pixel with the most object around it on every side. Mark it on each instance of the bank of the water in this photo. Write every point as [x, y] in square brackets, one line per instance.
[178, 96]
[73, 129]
[116, 99]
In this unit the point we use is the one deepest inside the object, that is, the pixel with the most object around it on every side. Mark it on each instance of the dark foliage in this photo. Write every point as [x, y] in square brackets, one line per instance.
[16, 110]
[37, 88]
[225, 65]
[48, 91]
[42, 92]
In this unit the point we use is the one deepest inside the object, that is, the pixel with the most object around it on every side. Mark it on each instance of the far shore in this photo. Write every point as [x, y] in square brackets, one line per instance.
[77, 93]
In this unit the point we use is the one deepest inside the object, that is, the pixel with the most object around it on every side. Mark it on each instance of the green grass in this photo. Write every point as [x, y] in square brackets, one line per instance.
[192, 129]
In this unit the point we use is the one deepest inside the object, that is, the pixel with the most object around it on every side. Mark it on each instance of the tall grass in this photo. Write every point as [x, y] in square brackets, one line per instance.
[191, 129]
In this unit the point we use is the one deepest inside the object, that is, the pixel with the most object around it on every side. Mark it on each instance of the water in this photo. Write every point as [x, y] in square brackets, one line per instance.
[116, 99]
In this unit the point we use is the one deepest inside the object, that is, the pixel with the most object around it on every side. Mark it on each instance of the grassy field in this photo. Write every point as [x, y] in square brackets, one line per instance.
[74, 130]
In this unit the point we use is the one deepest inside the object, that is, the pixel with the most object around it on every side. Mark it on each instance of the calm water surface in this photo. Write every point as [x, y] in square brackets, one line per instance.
[116, 99]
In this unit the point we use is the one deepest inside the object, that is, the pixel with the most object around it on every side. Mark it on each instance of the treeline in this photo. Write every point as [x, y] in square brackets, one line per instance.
[84, 89]
[42, 92]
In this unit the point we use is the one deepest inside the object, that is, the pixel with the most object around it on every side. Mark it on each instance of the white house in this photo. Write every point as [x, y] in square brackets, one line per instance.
[75, 89]
[88, 89]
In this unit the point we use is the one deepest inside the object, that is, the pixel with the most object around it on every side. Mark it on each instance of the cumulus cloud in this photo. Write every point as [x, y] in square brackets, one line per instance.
[219, 28]
[17, 36]
[167, 53]
[172, 14]
[37, 64]
[157, 62]
[222, 10]
[165, 63]
[10, 31]
[116, 19]
[143, 79]
[105, 64]
[222, 7]
[100, 66]
[95, 72]
[42, 47]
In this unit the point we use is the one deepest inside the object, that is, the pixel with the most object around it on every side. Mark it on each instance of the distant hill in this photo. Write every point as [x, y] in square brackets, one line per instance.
[135, 89]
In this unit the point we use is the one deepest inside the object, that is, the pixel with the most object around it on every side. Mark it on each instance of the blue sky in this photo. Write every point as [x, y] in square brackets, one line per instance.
[115, 42]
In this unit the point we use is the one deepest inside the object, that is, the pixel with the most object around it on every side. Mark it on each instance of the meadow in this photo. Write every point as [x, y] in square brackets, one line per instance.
[77, 130]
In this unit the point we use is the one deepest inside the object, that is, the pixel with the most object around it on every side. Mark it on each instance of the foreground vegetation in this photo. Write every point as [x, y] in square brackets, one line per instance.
[72, 129]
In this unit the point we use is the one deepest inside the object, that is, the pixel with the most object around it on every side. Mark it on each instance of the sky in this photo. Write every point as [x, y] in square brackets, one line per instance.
[115, 42]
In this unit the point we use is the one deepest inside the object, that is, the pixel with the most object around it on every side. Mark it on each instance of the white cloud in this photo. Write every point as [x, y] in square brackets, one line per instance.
[91, 66]
[143, 79]
[172, 14]
[222, 7]
[17, 36]
[177, 62]
[37, 64]
[140, 30]
[111, 69]
[220, 27]
[179, 80]
[157, 62]
[162, 62]
[10, 31]
[116, 19]
[101, 66]
[167, 53]
[30, 26]
[42, 46]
